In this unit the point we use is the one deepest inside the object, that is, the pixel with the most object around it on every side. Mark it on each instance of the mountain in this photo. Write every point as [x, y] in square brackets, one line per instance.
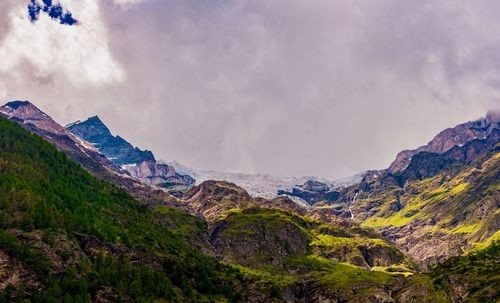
[35, 121]
[259, 185]
[442, 203]
[66, 236]
[451, 137]
[266, 186]
[138, 163]
[114, 148]
[471, 278]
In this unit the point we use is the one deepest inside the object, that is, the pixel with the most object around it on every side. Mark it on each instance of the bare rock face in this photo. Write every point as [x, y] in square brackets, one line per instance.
[447, 139]
[28, 113]
[110, 295]
[213, 199]
[155, 173]
[418, 241]
[312, 192]
[12, 273]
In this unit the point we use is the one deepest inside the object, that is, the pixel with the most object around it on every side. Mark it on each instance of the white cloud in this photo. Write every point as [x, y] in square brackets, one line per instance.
[79, 54]
[127, 3]
[3, 91]
[287, 87]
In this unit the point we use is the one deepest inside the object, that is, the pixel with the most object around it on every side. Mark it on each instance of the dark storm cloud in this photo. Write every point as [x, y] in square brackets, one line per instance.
[292, 87]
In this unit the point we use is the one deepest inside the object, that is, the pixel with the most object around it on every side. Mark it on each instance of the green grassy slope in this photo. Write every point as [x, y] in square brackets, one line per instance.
[459, 206]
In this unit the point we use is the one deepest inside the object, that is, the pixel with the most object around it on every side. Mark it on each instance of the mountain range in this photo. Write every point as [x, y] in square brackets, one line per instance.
[88, 217]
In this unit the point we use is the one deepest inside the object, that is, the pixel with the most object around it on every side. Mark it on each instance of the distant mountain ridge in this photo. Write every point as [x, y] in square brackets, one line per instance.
[140, 164]
[264, 186]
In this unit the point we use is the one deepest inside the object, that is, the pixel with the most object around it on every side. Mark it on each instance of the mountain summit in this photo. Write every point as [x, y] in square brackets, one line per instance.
[140, 164]
[30, 114]
[114, 148]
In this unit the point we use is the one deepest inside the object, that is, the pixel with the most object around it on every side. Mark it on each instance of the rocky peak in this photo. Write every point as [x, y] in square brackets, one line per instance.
[213, 199]
[96, 122]
[115, 148]
[140, 164]
[451, 137]
[27, 113]
[314, 186]
[91, 128]
[17, 104]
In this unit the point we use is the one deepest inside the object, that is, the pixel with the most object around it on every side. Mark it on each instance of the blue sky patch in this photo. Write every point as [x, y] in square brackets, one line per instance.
[55, 11]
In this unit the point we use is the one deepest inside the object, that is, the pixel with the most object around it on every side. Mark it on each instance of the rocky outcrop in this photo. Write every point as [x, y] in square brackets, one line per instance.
[312, 192]
[58, 248]
[214, 199]
[154, 173]
[15, 275]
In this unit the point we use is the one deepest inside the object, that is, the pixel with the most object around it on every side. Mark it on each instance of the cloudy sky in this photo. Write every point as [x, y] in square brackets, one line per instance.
[285, 87]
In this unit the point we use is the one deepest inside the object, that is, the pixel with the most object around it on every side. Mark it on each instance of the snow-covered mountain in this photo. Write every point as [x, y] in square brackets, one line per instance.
[258, 185]
[267, 186]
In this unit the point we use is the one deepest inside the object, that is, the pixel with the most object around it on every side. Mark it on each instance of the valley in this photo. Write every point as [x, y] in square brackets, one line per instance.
[88, 217]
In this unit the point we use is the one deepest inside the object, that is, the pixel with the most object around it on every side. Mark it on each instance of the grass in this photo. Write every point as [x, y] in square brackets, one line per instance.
[180, 222]
[323, 240]
[398, 219]
[340, 275]
[267, 218]
[487, 243]
[394, 270]
[466, 229]
[265, 277]
[345, 275]
[414, 206]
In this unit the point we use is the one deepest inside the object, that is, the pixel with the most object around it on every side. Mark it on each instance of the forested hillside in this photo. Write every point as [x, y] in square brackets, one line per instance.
[66, 234]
